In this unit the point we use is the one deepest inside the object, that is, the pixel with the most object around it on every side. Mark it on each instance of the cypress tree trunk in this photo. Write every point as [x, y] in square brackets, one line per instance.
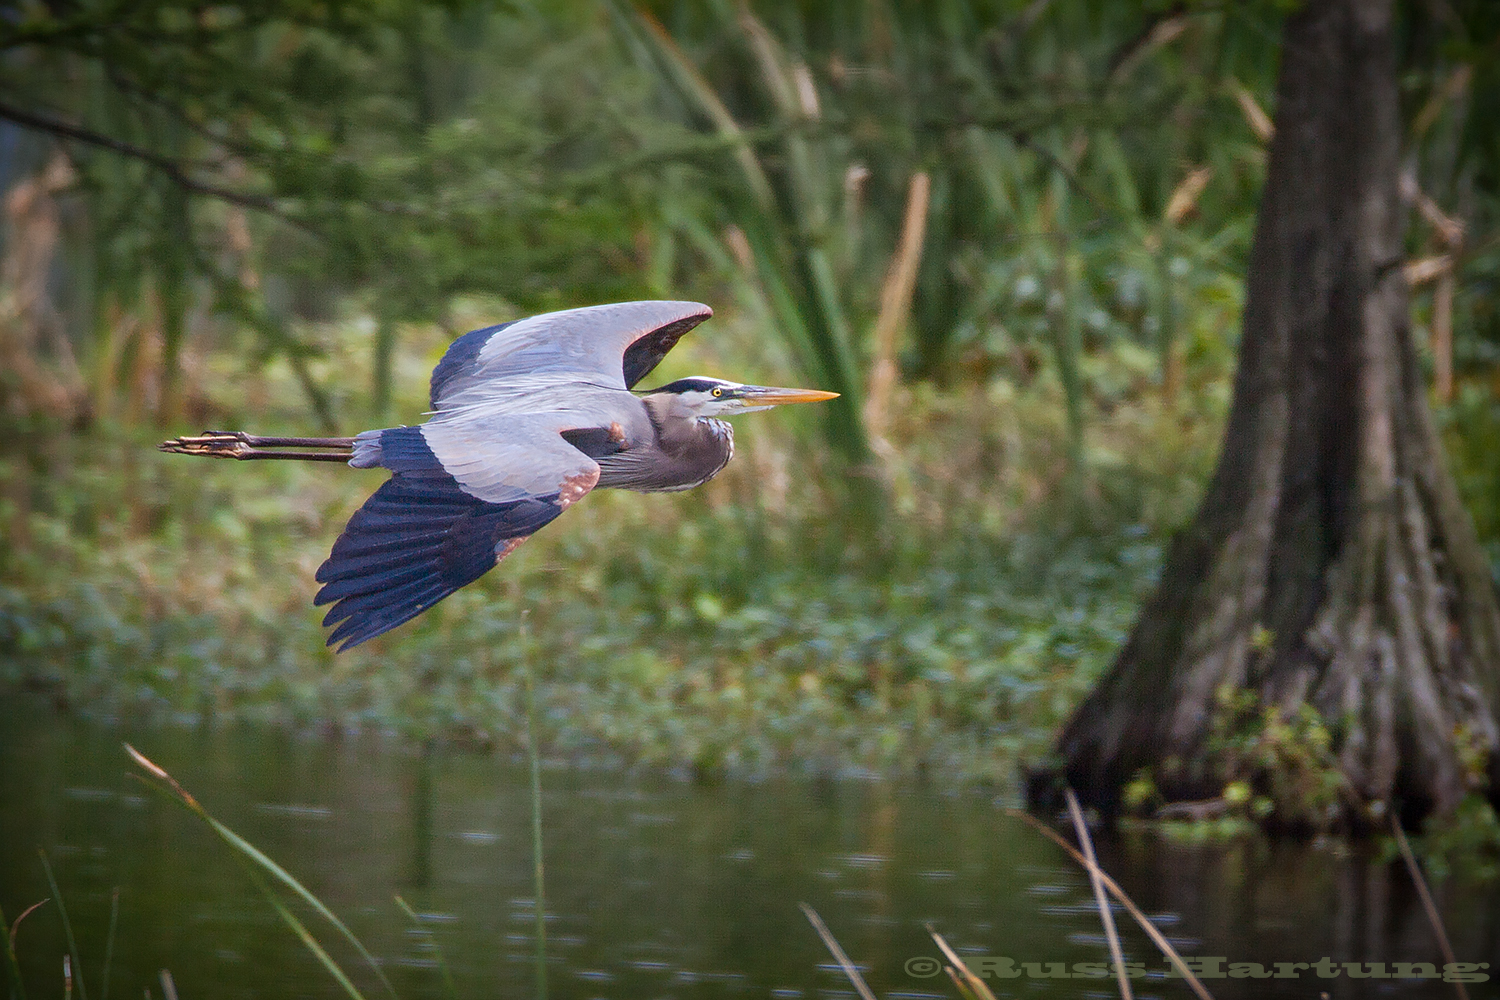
[1331, 563]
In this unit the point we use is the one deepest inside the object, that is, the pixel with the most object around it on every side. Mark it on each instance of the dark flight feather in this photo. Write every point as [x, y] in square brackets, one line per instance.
[419, 538]
[642, 356]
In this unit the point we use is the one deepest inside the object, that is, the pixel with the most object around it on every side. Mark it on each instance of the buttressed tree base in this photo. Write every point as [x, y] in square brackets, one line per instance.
[1331, 565]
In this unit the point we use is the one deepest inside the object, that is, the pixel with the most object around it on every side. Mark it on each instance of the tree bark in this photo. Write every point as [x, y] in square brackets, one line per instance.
[1331, 563]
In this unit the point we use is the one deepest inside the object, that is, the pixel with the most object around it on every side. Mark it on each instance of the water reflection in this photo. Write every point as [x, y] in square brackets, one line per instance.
[655, 888]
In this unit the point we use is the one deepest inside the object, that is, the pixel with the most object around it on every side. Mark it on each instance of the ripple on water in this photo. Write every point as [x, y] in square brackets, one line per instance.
[415, 962]
[1047, 890]
[434, 917]
[529, 916]
[90, 794]
[835, 969]
[863, 860]
[860, 895]
[594, 975]
[480, 838]
[1087, 939]
[1068, 910]
[296, 810]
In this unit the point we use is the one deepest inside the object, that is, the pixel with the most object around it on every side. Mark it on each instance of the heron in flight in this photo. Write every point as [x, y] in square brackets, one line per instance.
[526, 418]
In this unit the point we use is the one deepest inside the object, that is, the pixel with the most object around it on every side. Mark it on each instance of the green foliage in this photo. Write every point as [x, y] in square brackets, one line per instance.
[1472, 435]
[1274, 765]
[1464, 844]
[288, 207]
[1267, 766]
[735, 628]
[261, 160]
[1048, 226]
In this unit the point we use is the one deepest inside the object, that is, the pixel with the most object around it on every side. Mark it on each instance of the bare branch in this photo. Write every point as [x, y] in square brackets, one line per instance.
[168, 166]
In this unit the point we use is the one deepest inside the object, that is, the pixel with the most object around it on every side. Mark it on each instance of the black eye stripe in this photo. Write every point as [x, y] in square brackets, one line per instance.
[683, 385]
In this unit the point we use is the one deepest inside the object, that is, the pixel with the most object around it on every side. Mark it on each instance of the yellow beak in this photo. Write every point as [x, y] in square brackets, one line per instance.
[763, 395]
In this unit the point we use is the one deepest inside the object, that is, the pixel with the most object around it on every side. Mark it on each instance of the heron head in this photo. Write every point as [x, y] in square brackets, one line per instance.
[716, 397]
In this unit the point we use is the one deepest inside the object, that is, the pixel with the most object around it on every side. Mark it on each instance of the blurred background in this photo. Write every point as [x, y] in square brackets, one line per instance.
[1012, 234]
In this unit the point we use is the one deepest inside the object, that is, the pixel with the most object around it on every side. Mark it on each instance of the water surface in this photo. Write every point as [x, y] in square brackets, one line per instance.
[655, 887]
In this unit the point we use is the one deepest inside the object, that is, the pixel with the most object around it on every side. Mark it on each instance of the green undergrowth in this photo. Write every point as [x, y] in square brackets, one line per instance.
[664, 630]
[941, 611]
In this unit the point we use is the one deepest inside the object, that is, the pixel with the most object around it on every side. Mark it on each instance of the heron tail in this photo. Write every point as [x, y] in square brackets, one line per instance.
[242, 446]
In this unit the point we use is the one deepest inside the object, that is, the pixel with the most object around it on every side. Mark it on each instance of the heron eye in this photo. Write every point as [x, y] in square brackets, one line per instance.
[718, 393]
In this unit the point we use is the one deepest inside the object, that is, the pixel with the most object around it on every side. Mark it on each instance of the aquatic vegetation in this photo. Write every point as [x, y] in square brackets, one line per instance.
[746, 630]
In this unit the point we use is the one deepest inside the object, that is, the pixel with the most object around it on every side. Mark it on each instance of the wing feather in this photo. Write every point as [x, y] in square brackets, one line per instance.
[613, 345]
[425, 533]
[492, 466]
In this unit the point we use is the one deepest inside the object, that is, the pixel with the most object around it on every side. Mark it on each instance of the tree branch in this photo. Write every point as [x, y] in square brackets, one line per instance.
[171, 168]
[129, 87]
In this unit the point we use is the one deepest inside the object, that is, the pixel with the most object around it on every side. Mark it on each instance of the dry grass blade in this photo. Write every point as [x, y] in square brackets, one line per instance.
[1185, 196]
[12, 967]
[1442, 337]
[860, 986]
[1427, 269]
[958, 983]
[1162, 33]
[1135, 911]
[895, 305]
[168, 987]
[17, 925]
[1427, 901]
[976, 985]
[1455, 87]
[156, 771]
[776, 73]
[1260, 123]
[1095, 872]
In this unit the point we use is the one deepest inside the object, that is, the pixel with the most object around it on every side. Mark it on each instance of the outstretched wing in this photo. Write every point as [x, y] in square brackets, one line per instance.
[463, 494]
[609, 346]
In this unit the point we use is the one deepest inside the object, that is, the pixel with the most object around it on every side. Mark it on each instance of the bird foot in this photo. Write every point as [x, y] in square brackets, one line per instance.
[241, 446]
[216, 444]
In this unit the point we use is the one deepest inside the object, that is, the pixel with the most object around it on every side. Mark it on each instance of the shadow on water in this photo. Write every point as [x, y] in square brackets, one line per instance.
[654, 887]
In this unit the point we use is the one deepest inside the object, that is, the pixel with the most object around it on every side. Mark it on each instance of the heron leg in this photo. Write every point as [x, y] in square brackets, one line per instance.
[242, 446]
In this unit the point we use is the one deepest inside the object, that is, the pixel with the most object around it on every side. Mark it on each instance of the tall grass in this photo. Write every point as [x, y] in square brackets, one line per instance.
[1054, 222]
[265, 874]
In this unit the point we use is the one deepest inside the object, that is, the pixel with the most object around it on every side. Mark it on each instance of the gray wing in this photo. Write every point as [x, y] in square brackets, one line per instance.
[611, 345]
[466, 488]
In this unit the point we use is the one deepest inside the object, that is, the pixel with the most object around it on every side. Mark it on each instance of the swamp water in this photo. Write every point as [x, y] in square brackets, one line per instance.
[654, 887]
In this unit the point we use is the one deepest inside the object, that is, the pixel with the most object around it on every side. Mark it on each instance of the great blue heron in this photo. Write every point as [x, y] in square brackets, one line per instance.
[526, 418]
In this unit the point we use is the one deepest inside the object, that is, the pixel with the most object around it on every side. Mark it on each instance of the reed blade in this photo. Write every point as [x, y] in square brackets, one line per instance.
[1116, 953]
[257, 865]
[860, 986]
[77, 963]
